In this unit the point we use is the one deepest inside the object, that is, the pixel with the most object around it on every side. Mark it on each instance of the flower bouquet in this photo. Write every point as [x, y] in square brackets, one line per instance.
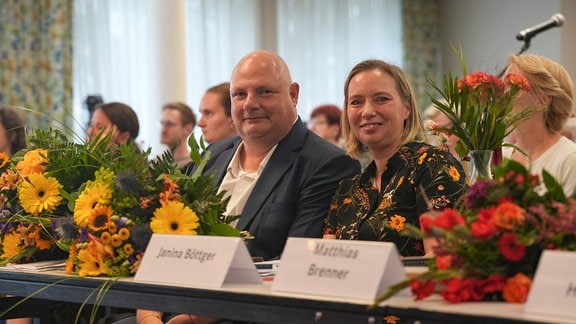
[488, 247]
[101, 205]
[480, 108]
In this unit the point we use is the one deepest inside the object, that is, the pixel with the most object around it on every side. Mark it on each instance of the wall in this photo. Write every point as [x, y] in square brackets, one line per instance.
[487, 30]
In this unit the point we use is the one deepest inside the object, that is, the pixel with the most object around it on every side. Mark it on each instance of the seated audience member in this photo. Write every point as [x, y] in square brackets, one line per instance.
[12, 140]
[215, 111]
[439, 119]
[280, 175]
[117, 119]
[325, 122]
[407, 177]
[538, 136]
[12, 131]
[178, 122]
[569, 129]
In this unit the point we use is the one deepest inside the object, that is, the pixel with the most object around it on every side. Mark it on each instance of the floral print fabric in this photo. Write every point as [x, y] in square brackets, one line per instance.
[418, 178]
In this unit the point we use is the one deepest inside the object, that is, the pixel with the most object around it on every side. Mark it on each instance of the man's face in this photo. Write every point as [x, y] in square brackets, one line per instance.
[173, 131]
[263, 100]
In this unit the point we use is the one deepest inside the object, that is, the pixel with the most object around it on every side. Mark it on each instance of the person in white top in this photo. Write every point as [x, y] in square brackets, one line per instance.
[539, 136]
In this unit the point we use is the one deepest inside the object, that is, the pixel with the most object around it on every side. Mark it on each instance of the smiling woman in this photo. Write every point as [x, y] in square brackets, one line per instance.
[408, 178]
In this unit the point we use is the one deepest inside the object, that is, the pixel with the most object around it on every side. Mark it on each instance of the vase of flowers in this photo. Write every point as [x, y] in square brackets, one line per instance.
[488, 247]
[479, 105]
[480, 165]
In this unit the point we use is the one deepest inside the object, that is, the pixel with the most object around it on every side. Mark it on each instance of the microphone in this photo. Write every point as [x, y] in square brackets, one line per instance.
[555, 21]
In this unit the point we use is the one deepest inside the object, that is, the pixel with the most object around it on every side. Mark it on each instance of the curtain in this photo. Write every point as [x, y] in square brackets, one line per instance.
[36, 60]
[114, 58]
[322, 40]
[422, 47]
[319, 39]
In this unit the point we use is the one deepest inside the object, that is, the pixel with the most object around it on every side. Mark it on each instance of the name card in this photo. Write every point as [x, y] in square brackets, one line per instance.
[553, 290]
[353, 269]
[197, 260]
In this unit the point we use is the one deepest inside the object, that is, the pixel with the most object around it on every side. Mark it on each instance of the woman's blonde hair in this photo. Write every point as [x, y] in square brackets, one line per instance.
[413, 126]
[549, 81]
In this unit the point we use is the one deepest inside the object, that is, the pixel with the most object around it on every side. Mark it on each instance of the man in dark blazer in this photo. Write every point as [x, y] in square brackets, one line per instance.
[293, 191]
[279, 175]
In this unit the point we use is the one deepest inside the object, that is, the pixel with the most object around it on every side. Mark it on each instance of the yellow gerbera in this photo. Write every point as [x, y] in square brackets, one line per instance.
[90, 265]
[174, 218]
[97, 193]
[39, 193]
[34, 162]
[99, 218]
[41, 239]
[11, 245]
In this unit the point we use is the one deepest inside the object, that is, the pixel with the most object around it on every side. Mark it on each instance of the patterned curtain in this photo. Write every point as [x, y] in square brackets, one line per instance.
[422, 46]
[36, 60]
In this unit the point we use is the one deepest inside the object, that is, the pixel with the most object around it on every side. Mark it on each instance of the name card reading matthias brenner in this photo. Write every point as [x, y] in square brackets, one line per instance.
[197, 260]
[355, 269]
[553, 290]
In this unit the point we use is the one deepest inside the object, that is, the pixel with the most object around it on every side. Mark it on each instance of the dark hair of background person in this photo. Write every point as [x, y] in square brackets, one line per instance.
[188, 116]
[15, 128]
[223, 89]
[332, 113]
[122, 116]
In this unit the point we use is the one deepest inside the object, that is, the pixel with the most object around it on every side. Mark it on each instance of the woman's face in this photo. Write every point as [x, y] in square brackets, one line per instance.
[101, 123]
[375, 111]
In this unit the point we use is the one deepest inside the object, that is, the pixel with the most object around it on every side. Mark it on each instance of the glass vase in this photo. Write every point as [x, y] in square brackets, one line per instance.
[480, 166]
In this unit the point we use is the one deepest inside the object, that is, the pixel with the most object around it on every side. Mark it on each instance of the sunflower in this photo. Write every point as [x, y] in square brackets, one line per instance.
[90, 265]
[41, 238]
[99, 218]
[174, 218]
[97, 193]
[11, 245]
[39, 194]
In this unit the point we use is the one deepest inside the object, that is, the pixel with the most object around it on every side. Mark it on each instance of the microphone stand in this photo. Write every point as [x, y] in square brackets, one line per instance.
[522, 50]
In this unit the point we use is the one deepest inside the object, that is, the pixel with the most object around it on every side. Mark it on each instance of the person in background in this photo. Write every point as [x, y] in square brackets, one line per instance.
[325, 122]
[538, 136]
[12, 131]
[407, 177]
[278, 174]
[435, 118]
[117, 119]
[569, 129]
[215, 111]
[12, 140]
[178, 122]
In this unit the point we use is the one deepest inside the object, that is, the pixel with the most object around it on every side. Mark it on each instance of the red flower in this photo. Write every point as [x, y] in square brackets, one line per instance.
[517, 288]
[508, 215]
[494, 283]
[422, 289]
[461, 289]
[483, 228]
[510, 248]
[447, 219]
[444, 262]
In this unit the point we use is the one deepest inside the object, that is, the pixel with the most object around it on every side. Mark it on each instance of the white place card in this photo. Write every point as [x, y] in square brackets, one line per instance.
[344, 268]
[553, 290]
[197, 260]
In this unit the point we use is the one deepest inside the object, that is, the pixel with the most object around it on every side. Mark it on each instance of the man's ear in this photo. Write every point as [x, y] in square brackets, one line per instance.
[188, 128]
[123, 137]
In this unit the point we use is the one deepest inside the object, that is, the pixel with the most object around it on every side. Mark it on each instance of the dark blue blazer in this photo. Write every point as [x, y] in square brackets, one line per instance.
[293, 193]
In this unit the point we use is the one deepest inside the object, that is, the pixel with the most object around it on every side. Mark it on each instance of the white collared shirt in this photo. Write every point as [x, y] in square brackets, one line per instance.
[239, 184]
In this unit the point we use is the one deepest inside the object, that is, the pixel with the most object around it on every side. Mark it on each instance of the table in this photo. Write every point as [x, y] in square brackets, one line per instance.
[255, 303]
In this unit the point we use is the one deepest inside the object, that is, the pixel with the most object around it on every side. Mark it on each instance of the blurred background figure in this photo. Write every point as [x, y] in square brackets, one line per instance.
[215, 117]
[12, 131]
[178, 122]
[117, 119]
[435, 118]
[539, 136]
[569, 129]
[325, 122]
